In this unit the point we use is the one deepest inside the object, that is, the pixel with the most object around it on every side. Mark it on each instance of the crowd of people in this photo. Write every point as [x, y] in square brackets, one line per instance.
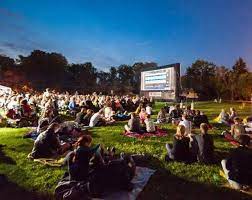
[56, 136]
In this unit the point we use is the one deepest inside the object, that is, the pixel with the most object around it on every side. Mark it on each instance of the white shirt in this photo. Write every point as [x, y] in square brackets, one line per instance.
[107, 112]
[188, 126]
[148, 110]
[94, 119]
[150, 127]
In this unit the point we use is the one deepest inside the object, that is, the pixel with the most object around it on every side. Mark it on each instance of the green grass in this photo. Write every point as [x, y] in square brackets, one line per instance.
[171, 181]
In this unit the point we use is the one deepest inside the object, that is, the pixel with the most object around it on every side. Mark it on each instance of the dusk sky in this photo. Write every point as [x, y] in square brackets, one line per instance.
[110, 33]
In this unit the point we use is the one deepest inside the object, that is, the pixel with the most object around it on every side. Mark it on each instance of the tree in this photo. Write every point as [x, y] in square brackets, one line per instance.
[236, 77]
[199, 76]
[44, 69]
[240, 67]
[6, 63]
[138, 68]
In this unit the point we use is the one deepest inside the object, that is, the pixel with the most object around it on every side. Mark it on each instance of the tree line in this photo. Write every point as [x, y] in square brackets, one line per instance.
[40, 70]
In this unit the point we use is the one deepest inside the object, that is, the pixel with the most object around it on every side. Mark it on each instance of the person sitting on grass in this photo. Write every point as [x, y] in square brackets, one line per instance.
[109, 114]
[204, 119]
[187, 124]
[87, 117]
[232, 115]
[238, 166]
[48, 144]
[79, 159]
[25, 109]
[205, 144]
[80, 116]
[180, 149]
[150, 126]
[161, 117]
[139, 108]
[148, 109]
[175, 115]
[142, 115]
[237, 129]
[133, 124]
[197, 119]
[96, 119]
[223, 117]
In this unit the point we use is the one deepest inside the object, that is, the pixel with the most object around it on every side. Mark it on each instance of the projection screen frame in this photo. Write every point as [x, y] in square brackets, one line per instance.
[171, 93]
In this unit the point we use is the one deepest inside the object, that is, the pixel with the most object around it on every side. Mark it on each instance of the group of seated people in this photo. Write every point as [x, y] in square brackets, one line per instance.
[140, 124]
[54, 137]
[92, 109]
[227, 118]
[174, 114]
[188, 147]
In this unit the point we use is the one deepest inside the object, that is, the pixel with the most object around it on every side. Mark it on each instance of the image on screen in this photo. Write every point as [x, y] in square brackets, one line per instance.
[160, 79]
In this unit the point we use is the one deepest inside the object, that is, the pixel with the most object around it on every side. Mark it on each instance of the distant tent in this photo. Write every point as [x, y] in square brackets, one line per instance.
[192, 95]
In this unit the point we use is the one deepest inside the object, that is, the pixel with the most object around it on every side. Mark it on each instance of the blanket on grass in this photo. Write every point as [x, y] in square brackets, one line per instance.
[57, 162]
[231, 140]
[140, 180]
[234, 142]
[159, 133]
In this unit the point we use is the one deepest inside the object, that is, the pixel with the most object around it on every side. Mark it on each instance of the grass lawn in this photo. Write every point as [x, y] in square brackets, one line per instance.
[30, 180]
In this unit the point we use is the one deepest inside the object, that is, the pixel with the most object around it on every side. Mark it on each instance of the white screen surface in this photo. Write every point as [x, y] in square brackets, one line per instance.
[160, 79]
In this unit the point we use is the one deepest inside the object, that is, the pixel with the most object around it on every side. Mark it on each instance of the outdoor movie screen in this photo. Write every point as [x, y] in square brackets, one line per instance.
[159, 79]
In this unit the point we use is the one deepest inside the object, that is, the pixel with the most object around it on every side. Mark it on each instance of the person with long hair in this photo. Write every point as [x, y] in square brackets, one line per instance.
[179, 151]
[78, 160]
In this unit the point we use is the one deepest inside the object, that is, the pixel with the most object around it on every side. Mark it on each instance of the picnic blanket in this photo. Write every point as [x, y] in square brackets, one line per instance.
[139, 181]
[234, 142]
[159, 133]
[217, 119]
[231, 140]
[57, 162]
[141, 178]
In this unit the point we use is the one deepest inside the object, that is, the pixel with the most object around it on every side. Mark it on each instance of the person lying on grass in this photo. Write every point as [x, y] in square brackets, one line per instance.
[179, 151]
[238, 166]
[47, 144]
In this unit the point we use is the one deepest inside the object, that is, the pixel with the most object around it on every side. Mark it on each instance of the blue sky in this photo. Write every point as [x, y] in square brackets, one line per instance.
[114, 32]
